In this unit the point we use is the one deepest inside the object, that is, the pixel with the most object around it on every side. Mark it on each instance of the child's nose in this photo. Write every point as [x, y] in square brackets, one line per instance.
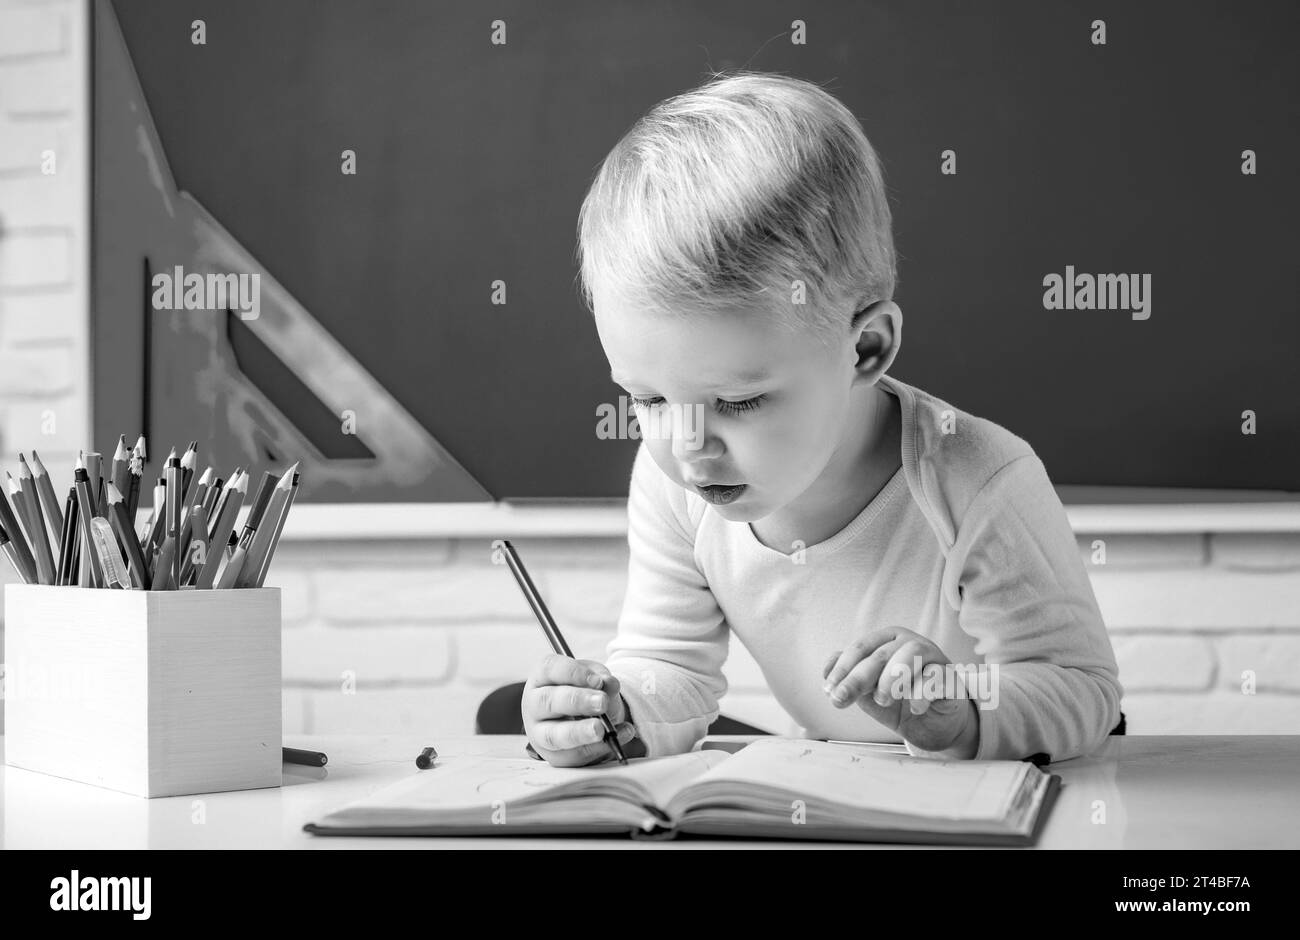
[695, 446]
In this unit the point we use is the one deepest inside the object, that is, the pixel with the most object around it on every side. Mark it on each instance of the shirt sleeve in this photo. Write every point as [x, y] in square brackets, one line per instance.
[1022, 593]
[672, 636]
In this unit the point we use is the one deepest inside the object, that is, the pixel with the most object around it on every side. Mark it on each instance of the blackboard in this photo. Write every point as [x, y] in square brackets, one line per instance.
[472, 160]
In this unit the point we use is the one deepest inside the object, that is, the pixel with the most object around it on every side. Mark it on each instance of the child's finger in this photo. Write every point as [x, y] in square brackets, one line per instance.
[859, 650]
[608, 681]
[555, 669]
[565, 701]
[902, 675]
[829, 663]
[861, 679]
[919, 704]
[568, 734]
[845, 663]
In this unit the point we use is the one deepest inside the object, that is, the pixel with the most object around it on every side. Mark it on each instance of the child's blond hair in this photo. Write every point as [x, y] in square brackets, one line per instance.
[726, 196]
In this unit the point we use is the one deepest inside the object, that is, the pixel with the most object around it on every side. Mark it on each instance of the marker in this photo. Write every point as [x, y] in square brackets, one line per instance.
[425, 760]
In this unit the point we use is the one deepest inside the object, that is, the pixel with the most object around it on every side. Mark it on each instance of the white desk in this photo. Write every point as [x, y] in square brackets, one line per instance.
[1155, 792]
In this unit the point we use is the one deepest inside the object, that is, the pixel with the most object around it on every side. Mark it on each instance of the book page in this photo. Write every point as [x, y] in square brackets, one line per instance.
[455, 784]
[865, 778]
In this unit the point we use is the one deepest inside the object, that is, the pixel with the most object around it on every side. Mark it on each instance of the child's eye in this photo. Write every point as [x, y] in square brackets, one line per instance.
[726, 407]
[739, 407]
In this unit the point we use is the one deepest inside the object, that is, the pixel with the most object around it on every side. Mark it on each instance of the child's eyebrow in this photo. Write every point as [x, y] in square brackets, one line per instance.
[744, 378]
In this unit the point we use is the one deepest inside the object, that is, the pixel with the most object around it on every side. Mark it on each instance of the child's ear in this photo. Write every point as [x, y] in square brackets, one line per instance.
[878, 332]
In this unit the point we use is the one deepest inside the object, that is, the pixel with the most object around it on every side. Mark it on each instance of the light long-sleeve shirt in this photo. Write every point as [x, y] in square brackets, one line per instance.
[967, 544]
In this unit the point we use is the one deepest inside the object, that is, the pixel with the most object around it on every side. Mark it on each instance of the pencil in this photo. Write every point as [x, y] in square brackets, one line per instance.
[10, 523]
[195, 498]
[225, 525]
[27, 503]
[49, 502]
[126, 535]
[7, 546]
[261, 540]
[215, 514]
[275, 536]
[136, 466]
[552, 632]
[163, 565]
[198, 534]
[188, 462]
[210, 498]
[120, 466]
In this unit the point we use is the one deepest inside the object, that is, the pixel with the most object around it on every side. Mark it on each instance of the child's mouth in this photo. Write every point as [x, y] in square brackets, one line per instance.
[721, 494]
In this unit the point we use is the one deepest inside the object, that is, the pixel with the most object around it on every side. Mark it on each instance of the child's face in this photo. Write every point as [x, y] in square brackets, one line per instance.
[739, 401]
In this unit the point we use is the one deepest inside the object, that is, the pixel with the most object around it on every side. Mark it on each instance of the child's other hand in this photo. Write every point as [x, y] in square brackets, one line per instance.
[884, 674]
[562, 704]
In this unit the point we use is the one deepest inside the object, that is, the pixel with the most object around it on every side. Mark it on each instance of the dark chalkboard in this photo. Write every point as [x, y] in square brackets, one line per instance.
[472, 160]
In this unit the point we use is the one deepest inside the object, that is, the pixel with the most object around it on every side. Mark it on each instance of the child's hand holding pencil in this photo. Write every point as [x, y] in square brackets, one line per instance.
[562, 704]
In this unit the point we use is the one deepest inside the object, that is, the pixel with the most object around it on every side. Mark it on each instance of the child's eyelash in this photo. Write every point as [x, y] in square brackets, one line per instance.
[726, 407]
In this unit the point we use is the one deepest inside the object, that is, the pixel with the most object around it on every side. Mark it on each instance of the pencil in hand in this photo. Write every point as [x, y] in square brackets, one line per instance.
[553, 634]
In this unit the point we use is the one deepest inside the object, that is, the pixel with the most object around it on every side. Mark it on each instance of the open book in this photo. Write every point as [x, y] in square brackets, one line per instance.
[773, 788]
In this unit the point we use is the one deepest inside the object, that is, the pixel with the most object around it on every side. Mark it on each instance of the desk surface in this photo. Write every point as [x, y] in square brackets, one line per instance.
[1138, 792]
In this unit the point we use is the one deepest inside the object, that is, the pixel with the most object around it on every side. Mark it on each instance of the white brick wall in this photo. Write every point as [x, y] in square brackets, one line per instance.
[44, 229]
[44, 232]
[1189, 616]
[409, 636]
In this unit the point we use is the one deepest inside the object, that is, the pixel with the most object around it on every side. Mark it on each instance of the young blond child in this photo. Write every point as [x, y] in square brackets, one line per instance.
[898, 568]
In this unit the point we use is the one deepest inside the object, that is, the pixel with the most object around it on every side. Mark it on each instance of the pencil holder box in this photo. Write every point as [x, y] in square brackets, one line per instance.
[154, 693]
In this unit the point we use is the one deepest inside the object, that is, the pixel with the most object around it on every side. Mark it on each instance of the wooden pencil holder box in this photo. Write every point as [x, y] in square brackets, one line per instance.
[154, 693]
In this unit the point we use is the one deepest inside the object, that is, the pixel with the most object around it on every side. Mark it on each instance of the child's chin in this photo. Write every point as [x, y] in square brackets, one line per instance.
[741, 510]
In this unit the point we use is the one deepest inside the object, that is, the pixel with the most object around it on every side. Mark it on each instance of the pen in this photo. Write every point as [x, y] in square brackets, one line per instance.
[293, 755]
[86, 510]
[553, 632]
[68, 541]
[173, 473]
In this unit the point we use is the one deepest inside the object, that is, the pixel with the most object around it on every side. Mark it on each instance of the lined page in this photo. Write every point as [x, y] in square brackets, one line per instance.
[860, 777]
[473, 782]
